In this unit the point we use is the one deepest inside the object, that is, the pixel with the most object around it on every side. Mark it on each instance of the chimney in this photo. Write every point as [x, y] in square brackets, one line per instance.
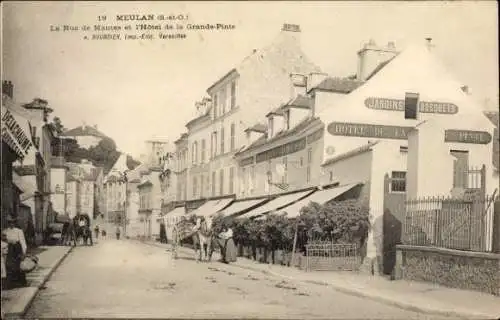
[298, 84]
[8, 89]
[371, 56]
[314, 79]
[466, 89]
[290, 27]
[429, 43]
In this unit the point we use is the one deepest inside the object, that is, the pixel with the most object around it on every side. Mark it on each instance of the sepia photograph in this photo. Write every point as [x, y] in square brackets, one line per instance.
[250, 160]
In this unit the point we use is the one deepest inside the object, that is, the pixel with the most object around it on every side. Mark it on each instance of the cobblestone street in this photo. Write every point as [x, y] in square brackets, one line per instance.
[129, 279]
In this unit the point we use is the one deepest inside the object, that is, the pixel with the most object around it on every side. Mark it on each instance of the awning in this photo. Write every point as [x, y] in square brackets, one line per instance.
[177, 212]
[239, 206]
[221, 204]
[211, 207]
[321, 197]
[16, 132]
[275, 204]
[28, 190]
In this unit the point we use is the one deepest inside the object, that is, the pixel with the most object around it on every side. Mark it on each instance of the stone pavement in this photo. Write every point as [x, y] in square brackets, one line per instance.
[15, 302]
[416, 296]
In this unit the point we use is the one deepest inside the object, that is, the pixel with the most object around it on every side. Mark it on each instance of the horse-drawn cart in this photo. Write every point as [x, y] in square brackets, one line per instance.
[183, 230]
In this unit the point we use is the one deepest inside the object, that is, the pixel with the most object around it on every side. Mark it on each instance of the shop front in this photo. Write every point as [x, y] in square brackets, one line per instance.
[16, 143]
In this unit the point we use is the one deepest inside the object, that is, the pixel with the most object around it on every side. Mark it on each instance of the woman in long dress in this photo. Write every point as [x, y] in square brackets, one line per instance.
[227, 246]
[16, 251]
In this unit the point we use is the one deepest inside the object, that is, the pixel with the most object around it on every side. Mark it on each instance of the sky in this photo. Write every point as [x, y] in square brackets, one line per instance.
[138, 90]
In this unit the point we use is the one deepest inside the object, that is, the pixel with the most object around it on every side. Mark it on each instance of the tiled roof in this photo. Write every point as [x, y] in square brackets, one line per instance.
[301, 101]
[300, 127]
[340, 85]
[259, 127]
[379, 67]
[84, 131]
[348, 154]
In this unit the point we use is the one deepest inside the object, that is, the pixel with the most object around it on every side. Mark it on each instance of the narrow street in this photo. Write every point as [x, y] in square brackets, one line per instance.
[130, 279]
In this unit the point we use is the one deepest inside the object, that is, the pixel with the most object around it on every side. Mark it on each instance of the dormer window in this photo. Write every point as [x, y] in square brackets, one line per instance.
[271, 127]
[411, 105]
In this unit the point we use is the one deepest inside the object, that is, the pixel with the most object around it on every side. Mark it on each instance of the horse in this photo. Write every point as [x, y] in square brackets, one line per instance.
[85, 233]
[204, 237]
[68, 233]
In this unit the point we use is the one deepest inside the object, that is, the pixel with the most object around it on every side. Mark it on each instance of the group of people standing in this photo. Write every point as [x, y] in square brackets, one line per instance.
[14, 250]
[223, 240]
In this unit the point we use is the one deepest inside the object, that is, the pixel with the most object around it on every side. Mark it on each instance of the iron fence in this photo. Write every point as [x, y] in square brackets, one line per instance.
[462, 224]
[328, 256]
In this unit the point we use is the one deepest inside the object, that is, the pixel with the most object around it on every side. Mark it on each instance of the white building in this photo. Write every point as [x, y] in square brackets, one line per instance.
[86, 136]
[237, 101]
[413, 122]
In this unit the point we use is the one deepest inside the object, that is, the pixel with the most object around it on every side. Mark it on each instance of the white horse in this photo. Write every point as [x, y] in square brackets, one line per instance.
[204, 233]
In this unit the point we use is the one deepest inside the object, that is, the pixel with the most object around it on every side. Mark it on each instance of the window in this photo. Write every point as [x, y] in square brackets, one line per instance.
[233, 94]
[222, 140]
[301, 162]
[215, 106]
[221, 180]
[213, 184]
[233, 133]
[194, 153]
[214, 144]
[411, 105]
[243, 181]
[271, 127]
[308, 174]
[195, 186]
[202, 177]
[309, 155]
[460, 168]
[231, 180]
[331, 176]
[223, 98]
[203, 149]
[398, 181]
[285, 169]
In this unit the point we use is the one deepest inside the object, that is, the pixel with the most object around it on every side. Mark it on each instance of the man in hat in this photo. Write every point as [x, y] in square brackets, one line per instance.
[16, 251]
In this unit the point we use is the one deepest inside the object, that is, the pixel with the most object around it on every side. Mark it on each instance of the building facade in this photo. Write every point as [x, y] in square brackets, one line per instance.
[86, 136]
[236, 102]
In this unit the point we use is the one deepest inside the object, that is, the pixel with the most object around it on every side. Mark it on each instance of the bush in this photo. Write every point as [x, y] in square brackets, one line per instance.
[340, 222]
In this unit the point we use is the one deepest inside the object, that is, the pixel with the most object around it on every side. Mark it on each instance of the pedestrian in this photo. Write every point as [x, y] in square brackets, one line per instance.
[16, 251]
[5, 250]
[118, 231]
[103, 233]
[227, 246]
[163, 233]
[96, 229]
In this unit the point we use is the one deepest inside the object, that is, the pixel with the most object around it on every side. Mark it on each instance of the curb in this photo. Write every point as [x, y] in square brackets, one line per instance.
[33, 293]
[372, 296]
[362, 294]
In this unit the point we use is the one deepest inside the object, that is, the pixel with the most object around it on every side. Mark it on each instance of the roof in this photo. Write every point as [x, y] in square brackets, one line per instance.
[84, 131]
[301, 101]
[348, 154]
[227, 75]
[300, 127]
[340, 85]
[379, 67]
[259, 127]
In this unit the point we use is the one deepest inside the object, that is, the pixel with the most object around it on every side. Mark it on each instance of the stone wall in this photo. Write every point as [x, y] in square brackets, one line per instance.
[452, 268]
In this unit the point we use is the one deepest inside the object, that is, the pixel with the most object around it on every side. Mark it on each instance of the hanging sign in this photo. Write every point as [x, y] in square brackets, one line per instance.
[368, 130]
[14, 135]
[467, 136]
[399, 105]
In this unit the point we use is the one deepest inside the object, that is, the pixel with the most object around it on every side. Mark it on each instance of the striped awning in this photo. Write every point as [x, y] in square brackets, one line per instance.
[177, 212]
[239, 206]
[211, 207]
[276, 204]
[321, 197]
